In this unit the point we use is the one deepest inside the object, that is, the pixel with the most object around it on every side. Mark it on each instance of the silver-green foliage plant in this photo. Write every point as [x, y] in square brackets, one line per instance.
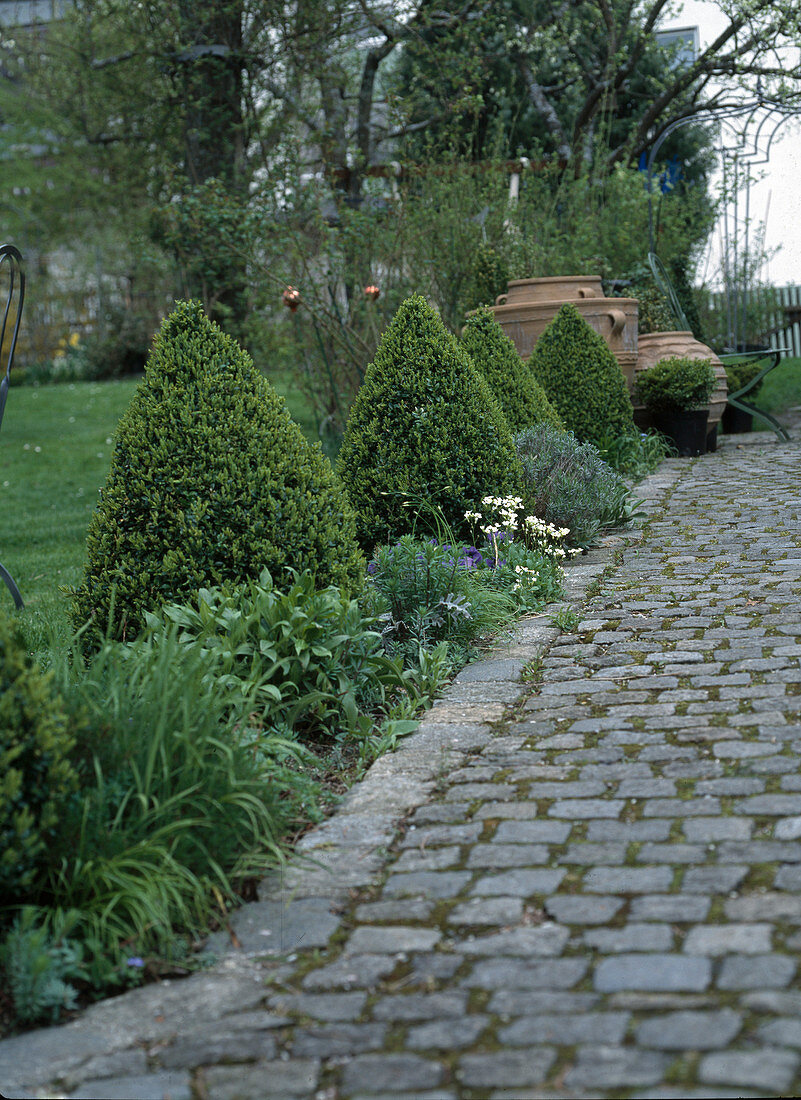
[37, 968]
[210, 482]
[568, 484]
[424, 425]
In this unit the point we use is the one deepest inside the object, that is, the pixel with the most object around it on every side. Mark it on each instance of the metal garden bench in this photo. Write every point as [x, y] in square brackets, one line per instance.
[772, 356]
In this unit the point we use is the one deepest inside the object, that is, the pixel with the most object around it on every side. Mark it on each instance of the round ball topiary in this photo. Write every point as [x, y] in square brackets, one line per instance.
[210, 482]
[512, 382]
[582, 378]
[36, 775]
[424, 427]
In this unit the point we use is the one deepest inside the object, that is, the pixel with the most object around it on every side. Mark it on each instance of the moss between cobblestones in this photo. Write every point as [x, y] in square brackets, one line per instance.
[760, 877]
[683, 1070]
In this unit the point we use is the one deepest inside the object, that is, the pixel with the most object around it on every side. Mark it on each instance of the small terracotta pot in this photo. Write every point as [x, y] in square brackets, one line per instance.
[654, 346]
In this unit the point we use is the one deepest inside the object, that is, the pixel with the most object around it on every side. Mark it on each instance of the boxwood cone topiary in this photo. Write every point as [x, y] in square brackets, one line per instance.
[582, 378]
[512, 382]
[36, 775]
[210, 482]
[424, 426]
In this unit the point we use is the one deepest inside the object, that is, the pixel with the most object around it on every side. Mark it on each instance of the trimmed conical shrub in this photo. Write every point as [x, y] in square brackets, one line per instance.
[36, 775]
[582, 378]
[210, 482]
[424, 427]
[512, 382]
[487, 278]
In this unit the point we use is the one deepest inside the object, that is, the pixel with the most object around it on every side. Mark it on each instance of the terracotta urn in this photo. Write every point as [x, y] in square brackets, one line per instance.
[558, 288]
[654, 346]
[613, 318]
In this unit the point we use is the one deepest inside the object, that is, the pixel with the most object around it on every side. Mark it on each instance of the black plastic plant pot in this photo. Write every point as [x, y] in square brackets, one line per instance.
[685, 428]
[736, 420]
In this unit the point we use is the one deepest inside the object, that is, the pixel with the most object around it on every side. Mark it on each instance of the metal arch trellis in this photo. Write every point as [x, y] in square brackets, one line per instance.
[12, 258]
[747, 132]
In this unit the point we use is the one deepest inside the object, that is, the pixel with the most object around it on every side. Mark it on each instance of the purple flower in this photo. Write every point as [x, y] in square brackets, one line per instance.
[135, 961]
[371, 568]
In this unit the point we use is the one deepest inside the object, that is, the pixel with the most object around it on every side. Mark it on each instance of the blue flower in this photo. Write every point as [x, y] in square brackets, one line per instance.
[135, 961]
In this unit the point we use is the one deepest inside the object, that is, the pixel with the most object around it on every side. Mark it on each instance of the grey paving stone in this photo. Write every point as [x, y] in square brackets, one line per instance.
[542, 940]
[610, 1067]
[629, 831]
[582, 908]
[508, 855]
[540, 1003]
[239, 1046]
[447, 1035]
[705, 829]
[652, 972]
[627, 880]
[387, 939]
[671, 853]
[433, 835]
[146, 1086]
[789, 828]
[513, 973]
[428, 859]
[353, 972]
[432, 884]
[519, 882]
[581, 808]
[785, 1032]
[788, 877]
[690, 1030]
[766, 905]
[487, 911]
[505, 1069]
[588, 1027]
[587, 853]
[771, 1070]
[729, 787]
[337, 1040]
[681, 807]
[631, 937]
[532, 832]
[398, 1007]
[248, 1082]
[712, 880]
[762, 805]
[320, 1006]
[756, 972]
[395, 909]
[390, 1074]
[729, 939]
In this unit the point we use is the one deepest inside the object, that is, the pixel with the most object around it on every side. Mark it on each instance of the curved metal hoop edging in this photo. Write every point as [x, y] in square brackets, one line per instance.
[723, 117]
[13, 258]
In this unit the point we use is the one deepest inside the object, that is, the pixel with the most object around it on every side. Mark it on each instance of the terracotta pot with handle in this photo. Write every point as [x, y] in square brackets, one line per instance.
[558, 288]
[654, 346]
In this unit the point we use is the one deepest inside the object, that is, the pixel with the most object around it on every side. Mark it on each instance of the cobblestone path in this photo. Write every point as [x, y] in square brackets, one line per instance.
[583, 883]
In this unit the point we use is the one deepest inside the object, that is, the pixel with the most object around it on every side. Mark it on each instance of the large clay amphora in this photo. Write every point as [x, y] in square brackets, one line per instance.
[557, 288]
[613, 318]
[654, 346]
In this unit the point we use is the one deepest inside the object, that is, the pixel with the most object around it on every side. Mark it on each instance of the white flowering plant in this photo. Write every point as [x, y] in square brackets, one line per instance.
[521, 553]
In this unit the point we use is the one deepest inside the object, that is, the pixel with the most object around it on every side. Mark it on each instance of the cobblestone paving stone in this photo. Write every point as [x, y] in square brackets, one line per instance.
[582, 882]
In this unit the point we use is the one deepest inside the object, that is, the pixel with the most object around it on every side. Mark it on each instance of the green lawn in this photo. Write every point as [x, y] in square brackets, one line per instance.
[781, 390]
